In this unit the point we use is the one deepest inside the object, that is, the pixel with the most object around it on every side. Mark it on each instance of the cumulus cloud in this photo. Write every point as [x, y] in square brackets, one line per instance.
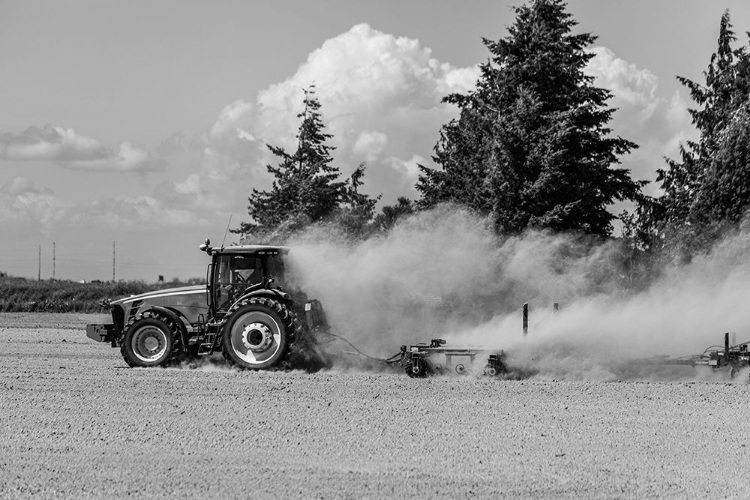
[69, 149]
[381, 99]
[408, 168]
[370, 144]
[658, 125]
[148, 210]
[21, 185]
[21, 201]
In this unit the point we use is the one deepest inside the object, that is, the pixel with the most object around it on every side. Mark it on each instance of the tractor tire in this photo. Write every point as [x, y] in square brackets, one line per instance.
[257, 333]
[148, 342]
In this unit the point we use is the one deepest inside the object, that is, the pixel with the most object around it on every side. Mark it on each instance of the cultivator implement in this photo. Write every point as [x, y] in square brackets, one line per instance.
[731, 357]
[421, 360]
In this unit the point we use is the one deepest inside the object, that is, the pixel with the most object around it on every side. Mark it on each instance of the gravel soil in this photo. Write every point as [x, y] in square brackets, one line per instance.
[75, 422]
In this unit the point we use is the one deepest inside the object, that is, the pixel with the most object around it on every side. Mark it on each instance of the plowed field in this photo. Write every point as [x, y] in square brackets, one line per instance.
[75, 422]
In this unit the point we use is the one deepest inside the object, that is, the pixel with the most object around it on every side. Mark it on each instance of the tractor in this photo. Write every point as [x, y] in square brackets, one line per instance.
[243, 311]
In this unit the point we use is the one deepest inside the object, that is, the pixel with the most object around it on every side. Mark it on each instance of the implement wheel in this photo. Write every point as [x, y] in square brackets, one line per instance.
[148, 342]
[416, 368]
[256, 335]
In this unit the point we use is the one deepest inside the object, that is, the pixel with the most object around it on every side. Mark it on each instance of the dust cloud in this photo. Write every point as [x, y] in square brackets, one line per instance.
[445, 274]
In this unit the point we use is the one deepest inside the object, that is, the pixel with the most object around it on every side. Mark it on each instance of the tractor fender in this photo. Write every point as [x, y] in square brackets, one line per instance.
[269, 293]
[173, 315]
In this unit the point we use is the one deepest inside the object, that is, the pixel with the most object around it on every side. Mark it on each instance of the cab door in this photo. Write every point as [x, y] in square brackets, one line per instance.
[233, 274]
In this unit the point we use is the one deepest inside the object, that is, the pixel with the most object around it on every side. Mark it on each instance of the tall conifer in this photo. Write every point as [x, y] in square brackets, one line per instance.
[531, 145]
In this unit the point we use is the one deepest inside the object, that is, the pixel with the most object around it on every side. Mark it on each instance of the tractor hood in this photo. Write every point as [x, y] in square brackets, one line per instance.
[166, 296]
[190, 302]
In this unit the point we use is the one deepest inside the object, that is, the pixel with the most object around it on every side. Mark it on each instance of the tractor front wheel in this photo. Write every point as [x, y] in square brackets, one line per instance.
[148, 342]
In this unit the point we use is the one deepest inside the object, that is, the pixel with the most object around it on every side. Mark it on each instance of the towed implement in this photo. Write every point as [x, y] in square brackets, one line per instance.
[728, 357]
[421, 360]
[242, 311]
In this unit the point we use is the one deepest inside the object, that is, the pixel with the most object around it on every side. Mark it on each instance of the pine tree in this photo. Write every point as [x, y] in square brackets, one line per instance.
[531, 145]
[707, 189]
[355, 213]
[724, 194]
[306, 188]
[391, 214]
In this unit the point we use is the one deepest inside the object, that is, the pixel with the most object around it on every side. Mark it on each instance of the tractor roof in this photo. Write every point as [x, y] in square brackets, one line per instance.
[249, 249]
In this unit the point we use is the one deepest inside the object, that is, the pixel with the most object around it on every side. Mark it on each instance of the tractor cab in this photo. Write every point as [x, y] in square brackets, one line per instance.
[238, 270]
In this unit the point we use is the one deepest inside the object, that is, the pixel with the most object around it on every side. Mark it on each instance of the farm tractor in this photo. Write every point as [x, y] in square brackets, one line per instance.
[243, 311]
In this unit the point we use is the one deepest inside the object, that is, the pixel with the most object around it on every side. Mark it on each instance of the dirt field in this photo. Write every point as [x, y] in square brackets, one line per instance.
[75, 422]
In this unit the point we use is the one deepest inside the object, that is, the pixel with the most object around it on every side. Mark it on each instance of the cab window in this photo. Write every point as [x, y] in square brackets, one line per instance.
[235, 273]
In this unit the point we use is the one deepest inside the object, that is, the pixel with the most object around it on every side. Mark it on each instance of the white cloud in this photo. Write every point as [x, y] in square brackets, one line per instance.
[381, 99]
[370, 144]
[656, 124]
[69, 149]
[132, 212]
[191, 186]
[636, 87]
[409, 168]
[24, 204]
[21, 185]
[21, 201]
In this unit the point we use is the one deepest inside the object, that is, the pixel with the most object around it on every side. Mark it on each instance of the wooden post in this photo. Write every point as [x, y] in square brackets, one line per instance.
[726, 347]
[525, 319]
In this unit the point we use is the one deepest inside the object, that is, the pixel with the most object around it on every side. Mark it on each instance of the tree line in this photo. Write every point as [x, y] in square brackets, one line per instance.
[531, 148]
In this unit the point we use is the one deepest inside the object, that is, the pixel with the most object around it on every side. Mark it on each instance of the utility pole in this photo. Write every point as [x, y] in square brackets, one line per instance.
[39, 273]
[53, 260]
[114, 253]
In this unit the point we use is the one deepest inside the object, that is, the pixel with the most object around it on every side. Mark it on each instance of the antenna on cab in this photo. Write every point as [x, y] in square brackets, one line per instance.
[227, 230]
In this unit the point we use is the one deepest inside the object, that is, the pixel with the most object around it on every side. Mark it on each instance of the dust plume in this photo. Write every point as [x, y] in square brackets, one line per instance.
[445, 274]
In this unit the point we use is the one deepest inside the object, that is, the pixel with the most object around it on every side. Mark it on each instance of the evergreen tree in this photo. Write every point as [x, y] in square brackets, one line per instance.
[724, 194]
[391, 214]
[305, 187]
[531, 145]
[355, 214]
[708, 188]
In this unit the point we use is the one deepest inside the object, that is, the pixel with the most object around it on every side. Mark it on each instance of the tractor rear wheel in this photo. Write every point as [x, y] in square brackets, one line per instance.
[148, 342]
[256, 334]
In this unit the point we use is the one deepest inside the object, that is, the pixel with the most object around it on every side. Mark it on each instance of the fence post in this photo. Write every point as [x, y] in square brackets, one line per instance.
[525, 319]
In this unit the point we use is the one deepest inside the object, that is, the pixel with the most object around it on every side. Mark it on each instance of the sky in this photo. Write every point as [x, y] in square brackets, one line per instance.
[143, 125]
